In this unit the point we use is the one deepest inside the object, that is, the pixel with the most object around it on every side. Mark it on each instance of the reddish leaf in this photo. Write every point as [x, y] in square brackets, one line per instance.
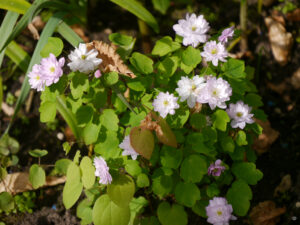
[165, 134]
[142, 141]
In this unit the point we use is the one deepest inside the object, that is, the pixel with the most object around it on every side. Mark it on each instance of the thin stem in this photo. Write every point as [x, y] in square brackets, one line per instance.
[243, 23]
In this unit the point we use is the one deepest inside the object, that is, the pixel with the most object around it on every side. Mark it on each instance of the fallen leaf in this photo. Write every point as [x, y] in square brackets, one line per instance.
[266, 139]
[294, 15]
[19, 182]
[281, 41]
[266, 213]
[285, 185]
[295, 79]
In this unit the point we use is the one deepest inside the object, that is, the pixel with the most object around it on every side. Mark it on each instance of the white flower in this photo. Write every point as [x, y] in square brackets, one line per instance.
[128, 149]
[165, 104]
[193, 29]
[36, 80]
[83, 60]
[240, 114]
[102, 170]
[214, 52]
[189, 89]
[219, 212]
[215, 93]
[227, 33]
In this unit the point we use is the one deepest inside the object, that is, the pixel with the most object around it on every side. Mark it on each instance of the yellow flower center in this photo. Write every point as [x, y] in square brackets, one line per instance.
[214, 51]
[239, 114]
[194, 87]
[214, 93]
[37, 77]
[166, 103]
[194, 28]
[52, 69]
[83, 57]
[219, 213]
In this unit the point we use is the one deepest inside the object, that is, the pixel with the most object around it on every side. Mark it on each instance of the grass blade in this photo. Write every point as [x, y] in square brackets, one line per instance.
[36, 58]
[137, 9]
[19, 6]
[67, 33]
[69, 117]
[18, 55]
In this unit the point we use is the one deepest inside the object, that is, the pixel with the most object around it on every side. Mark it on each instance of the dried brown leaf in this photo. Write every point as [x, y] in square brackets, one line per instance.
[111, 59]
[19, 182]
[264, 141]
[285, 185]
[266, 213]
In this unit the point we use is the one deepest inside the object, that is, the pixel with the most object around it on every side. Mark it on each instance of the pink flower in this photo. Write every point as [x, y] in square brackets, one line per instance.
[216, 169]
[128, 149]
[36, 80]
[227, 33]
[97, 73]
[214, 52]
[102, 170]
[219, 211]
[51, 69]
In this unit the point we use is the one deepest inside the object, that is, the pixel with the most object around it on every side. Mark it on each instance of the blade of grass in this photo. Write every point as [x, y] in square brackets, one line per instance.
[69, 117]
[19, 6]
[30, 13]
[67, 33]
[36, 58]
[1, 92]
[138, 10]
[18, 55]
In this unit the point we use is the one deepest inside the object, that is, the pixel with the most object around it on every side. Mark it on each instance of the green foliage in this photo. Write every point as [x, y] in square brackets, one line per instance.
[170, 157]
[106, 212]
[38, 153]
[161, 5]
[187, 194]
[171, 215]
[221, 119]
[87, 172]
[234, 68]
[193, 168]
[54, 46]
[37, 176]
[165, 46]
[142, 63]
[8, 145]
[6, 202]
[247, 171]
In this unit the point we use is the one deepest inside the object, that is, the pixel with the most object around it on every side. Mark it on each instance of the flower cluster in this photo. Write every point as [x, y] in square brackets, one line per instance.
[102, 170]
[219, 211]
[194, 30]
[215, 169]
[46, 73]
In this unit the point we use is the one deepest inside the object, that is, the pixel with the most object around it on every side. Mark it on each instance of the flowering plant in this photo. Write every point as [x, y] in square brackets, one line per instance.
[163, 132]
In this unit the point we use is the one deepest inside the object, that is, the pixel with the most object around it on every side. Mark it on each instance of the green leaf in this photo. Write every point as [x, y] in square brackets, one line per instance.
[142, 180]
[135, 84]
[241, 138]
[162, 184]
[67, 33]
[91, 133]
[197, 141]
[109, 120]
[253, 100]
[191, 57]
[142, 63]
[6, 202]
[239, 196]
[111, 78]
[18, 55]
[137, 9]
[133, 168]
[168, 66]
[170, 157]
[8, 145]
[38, 153]
[85, 212]
[150, 221]
[165, 46]
[247, 171]
[61, 166]
[19, 6]
[234, 68]
[79, 85]
[136, 207]
[120, 39]
[171, 215]
[54, 46]
[88, 172]
[199, 208]
[84, 115]
[121, 190]
[106, 212]
[227, 144]
[179, 119]
[187, 194]
[221, 119]
[198, 121]
[142, 141]
[48, 112]
[108, 144]
[193, 168]
[161, 5]
[73, 187]
[212, 190]
[37, 176]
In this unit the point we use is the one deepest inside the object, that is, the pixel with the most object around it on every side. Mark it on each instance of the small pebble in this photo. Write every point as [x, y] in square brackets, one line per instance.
[294, 218]
[297, 204]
